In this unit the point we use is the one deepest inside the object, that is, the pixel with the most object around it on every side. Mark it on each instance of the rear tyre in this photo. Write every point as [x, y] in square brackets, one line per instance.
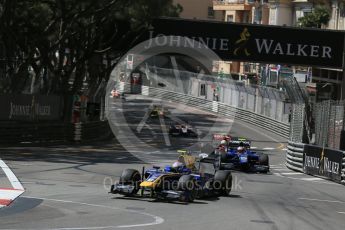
[187, 183]
[223, 182]
[264, 160]
[131, 177]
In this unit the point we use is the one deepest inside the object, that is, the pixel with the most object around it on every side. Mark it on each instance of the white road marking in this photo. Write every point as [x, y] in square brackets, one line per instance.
[11, 177]
[311, 178]
[253, 147]
[157, 219]
[120, 158]
[146, 116]
[8, 195]
[268, 148]
[318, 180]
[341, 212]
[282, 169]
[164, 129]
[328, 201]
[151, 129]
[284, 149]
[278, 165]
[292, 173]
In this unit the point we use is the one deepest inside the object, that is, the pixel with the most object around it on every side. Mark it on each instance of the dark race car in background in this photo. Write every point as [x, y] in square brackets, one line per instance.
[184, 130]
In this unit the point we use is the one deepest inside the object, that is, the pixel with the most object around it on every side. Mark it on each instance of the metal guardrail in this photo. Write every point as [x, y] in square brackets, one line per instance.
[294, 156]
[343, 170]
[279, 128]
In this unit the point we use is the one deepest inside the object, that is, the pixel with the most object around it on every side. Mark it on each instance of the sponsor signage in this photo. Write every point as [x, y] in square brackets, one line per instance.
[248, 42]
[323, 162]
[30, 107]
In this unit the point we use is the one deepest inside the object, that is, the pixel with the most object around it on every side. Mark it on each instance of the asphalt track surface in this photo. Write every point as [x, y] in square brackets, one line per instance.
[66, 186]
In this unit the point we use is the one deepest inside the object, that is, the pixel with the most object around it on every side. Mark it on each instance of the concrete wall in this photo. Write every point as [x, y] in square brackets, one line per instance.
[337, 21]
[280, 14]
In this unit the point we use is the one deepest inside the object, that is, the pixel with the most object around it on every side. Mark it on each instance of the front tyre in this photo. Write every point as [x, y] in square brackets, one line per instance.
[223, 182]
[131, 177]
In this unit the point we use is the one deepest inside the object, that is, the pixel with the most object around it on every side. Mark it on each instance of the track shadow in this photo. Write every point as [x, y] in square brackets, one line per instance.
[110, 152]
[234, 196]
[154, 200]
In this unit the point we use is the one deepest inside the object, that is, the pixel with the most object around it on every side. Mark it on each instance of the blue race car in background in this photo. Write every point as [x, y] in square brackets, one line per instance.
[184, 183]
[230, 159]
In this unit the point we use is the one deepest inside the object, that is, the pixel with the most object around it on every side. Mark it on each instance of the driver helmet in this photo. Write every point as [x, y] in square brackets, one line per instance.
[240, 149]
[177, 164]
[223, 142]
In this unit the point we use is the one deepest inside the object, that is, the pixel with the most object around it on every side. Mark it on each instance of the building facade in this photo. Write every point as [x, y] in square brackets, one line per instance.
[242, 11]
[198, 9]
[272, 12]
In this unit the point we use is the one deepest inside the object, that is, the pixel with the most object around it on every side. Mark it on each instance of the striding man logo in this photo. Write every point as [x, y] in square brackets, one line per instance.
[242, 42]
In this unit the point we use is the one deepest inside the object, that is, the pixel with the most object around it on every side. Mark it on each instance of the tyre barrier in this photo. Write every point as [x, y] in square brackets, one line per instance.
[294, 156]
[267, 123]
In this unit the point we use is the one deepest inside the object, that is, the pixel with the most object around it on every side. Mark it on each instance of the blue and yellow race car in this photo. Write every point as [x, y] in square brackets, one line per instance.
[185, 182]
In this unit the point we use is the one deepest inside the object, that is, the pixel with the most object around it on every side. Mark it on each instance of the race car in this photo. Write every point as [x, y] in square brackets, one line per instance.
[238, 156]
[184, 130]
[158, 111]
[184, 183]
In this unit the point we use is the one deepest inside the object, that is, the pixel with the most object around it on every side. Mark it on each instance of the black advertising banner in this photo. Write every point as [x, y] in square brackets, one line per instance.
[323, 162]
[257, 43]
[30, 107]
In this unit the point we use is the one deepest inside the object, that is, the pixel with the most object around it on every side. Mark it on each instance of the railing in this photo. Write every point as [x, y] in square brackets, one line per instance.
[226, 2]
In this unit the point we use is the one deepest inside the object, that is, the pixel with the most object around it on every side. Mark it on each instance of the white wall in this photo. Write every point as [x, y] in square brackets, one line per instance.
[280, 14]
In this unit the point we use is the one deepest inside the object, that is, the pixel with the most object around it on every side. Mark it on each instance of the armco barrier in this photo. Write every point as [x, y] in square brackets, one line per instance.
[343, 170]
[294, 156]
[279, 128]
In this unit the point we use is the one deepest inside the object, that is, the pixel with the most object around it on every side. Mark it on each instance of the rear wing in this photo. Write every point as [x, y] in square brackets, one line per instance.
[239, 141]
[221, 136]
